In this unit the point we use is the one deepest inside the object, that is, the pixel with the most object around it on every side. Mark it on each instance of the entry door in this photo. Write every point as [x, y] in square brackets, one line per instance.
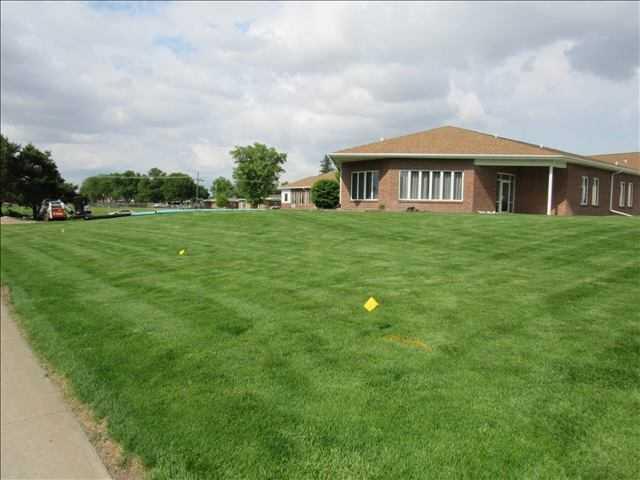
[505, 192]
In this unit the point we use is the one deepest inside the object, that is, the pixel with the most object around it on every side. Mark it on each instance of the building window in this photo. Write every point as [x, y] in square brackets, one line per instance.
[630, 195]
[413, 185]
[595, 191]
[447, 187]
[286, 197]
[430, 185]
[584, 191]
[364, 185]
[457, 186]
[404, 175]
[621, 199]
[425, 185]
[299, 197]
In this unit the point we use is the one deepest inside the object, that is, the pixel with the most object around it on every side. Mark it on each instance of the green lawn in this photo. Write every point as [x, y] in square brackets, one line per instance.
[504, 346]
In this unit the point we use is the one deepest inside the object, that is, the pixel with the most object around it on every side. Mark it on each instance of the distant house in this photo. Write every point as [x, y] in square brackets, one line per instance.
[242, 203]
[450, 169]
[298, 194]
[272, 201]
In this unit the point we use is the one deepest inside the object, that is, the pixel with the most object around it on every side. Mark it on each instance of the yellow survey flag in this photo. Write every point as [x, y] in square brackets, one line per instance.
[182, 252]
[371, 304]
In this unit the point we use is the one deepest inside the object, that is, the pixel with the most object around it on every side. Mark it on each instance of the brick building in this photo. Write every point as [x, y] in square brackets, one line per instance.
[450, 169]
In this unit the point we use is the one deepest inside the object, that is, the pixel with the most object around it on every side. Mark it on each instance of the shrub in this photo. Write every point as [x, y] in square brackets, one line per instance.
[325, 194]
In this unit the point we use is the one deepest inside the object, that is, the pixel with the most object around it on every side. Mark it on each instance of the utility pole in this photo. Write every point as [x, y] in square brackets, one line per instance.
[197, 186]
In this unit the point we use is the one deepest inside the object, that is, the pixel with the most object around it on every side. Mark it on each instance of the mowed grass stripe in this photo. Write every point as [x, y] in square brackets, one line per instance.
[252, 357]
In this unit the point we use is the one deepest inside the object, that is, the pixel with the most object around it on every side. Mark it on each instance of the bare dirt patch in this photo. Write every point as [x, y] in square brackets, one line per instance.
[13, 221]
[408, 342]
[120, 465]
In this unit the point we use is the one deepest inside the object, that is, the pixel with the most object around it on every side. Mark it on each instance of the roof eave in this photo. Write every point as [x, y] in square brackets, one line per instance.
[293, 187]
[339, 157]
[602, 165]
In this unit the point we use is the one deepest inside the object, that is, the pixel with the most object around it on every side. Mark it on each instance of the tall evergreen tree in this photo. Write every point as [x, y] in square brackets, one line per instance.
[326, 165]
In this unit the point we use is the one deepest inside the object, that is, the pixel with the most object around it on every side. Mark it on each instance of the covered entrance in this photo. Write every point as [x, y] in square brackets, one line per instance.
[505, 192]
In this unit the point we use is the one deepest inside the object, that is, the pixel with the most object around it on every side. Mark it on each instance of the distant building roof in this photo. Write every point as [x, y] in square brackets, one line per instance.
[629, 159]
[307, 182]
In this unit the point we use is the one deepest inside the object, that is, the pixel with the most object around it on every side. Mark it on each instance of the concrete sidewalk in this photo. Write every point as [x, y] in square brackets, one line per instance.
[40, 437]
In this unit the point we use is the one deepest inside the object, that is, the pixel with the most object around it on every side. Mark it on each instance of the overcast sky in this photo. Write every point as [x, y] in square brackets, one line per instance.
[176, 85]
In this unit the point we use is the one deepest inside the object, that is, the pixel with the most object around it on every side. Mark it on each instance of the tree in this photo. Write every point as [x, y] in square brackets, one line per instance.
[156, 172]
[326, 165]
[125, 185]
[325, 194]
[178, 187]
[222, 189]
[68, 192]
[37, 178]
[257, 170]
[144, 192]
[156, 186]
[222, 185]
[8, 163]
[98, 188]
[203, 193]
[89, 188]
[222, 199]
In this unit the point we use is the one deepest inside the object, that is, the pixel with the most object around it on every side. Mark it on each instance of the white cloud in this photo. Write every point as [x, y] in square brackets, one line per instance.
[467, 105]
[179, 84]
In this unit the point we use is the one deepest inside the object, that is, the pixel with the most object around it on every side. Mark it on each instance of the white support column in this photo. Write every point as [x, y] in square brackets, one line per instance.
[550, 190]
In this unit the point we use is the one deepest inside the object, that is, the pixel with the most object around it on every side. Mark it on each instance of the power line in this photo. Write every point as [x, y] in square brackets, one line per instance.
[140, 177]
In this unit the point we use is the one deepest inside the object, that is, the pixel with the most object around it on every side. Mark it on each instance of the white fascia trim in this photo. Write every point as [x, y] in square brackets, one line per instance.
[368, 156]
[523, 162]
[602, 165]
[338, 158]
[559, 161]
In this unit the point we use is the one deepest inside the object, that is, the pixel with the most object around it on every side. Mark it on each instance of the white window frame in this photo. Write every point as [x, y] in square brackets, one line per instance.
[430, 173]
[584, 190]
[595, 191]
[622, 196]
[356, 172]
[500, 177]
[630, 195]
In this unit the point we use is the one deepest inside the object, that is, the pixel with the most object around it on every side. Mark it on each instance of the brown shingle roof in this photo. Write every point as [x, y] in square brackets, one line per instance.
[309, 181]
[449, 140]
[452, 140]
[629, 159]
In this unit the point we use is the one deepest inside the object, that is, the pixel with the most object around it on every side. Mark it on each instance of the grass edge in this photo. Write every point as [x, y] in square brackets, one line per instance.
[120, 464]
